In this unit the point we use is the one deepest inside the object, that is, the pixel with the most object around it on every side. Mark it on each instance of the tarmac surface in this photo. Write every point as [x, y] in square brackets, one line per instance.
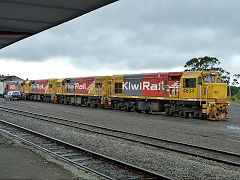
[19, 161]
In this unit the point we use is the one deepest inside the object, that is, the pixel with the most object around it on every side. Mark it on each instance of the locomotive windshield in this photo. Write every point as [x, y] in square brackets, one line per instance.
[209, 79]
[190, 83]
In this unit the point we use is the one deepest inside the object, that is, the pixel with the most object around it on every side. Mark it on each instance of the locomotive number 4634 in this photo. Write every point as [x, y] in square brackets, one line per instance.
[188, 90]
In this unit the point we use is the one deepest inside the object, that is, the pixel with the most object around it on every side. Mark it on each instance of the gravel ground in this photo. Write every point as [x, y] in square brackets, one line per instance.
[235, 104]
[223, 135]
[169, 163]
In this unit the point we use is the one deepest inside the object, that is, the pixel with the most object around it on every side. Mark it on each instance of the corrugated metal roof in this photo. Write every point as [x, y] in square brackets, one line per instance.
[20, 19]
[6, 78]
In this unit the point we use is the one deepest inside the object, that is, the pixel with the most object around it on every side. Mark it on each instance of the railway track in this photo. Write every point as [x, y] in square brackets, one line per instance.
[224, 157]
[103, 166]
[85, 114]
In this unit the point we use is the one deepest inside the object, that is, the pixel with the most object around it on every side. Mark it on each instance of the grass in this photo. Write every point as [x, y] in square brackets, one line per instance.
[235, 100]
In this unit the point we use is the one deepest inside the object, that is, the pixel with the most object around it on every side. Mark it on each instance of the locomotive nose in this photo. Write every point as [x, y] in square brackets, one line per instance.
[219, 91]
[218, 112]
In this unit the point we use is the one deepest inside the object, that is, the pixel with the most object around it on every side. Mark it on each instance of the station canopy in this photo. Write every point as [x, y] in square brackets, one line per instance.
[20, 19]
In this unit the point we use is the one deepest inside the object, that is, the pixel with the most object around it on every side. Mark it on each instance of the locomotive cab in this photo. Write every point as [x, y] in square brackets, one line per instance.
[52, 84]
[61, 86]
[22, 87]
[28, 86]
[203, 85]
[51, 90]
[102, 85]
[206, 88]
[189, 83]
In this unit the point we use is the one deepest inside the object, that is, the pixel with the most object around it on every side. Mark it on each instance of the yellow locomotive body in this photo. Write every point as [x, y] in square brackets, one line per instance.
[51, 90]
[85, 91]
[39, 90]
[197, 94]
[28, 87]
[206, 88]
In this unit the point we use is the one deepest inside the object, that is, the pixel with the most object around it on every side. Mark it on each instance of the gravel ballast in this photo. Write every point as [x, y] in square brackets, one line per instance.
[165, 162]
[222, 135]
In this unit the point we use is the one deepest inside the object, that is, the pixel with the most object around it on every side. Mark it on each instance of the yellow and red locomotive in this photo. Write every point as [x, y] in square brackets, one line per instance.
[197, 94]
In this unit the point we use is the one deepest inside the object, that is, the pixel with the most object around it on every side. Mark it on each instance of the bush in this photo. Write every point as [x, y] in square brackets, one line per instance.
[238, 95]
[234, 90]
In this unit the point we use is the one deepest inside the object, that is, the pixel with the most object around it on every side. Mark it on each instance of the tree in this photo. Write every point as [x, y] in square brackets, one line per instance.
[202, 63]
[235, 86]
[207, 64]
[235, 81]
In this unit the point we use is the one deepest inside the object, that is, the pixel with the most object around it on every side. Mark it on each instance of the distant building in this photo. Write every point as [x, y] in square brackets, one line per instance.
[9, 78]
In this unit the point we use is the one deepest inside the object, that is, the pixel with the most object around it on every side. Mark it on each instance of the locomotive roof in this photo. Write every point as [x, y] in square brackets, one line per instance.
[191, 74]
[194, 74]
[178, 73]
[61, 79]
[20, 19]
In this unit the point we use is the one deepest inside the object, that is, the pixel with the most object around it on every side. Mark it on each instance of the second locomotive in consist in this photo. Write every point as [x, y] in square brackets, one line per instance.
[197, 94]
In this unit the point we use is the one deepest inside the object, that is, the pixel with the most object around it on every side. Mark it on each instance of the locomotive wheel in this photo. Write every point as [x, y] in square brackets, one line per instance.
[138, 111]
[191, 115]
[125, 108]
[147, 111]
[181, 114]
[196, 114]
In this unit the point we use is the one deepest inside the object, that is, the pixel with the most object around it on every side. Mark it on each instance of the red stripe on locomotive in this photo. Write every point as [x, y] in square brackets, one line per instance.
[42, 86]
[84, 85]
[159, 84]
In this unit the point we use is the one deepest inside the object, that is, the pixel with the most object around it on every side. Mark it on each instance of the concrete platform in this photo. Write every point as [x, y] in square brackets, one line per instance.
[19, 161]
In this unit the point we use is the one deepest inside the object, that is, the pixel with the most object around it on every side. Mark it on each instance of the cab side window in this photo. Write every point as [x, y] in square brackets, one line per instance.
[190, 83]
[200, 81]
[98, 85]
[219, 80]
[118, 88]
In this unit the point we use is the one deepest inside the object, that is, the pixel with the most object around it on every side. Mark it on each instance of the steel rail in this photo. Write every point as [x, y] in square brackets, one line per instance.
[126, 170]
[215, 151]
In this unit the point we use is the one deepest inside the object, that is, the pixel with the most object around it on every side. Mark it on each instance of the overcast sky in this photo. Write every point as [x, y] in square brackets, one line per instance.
[131, 36]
